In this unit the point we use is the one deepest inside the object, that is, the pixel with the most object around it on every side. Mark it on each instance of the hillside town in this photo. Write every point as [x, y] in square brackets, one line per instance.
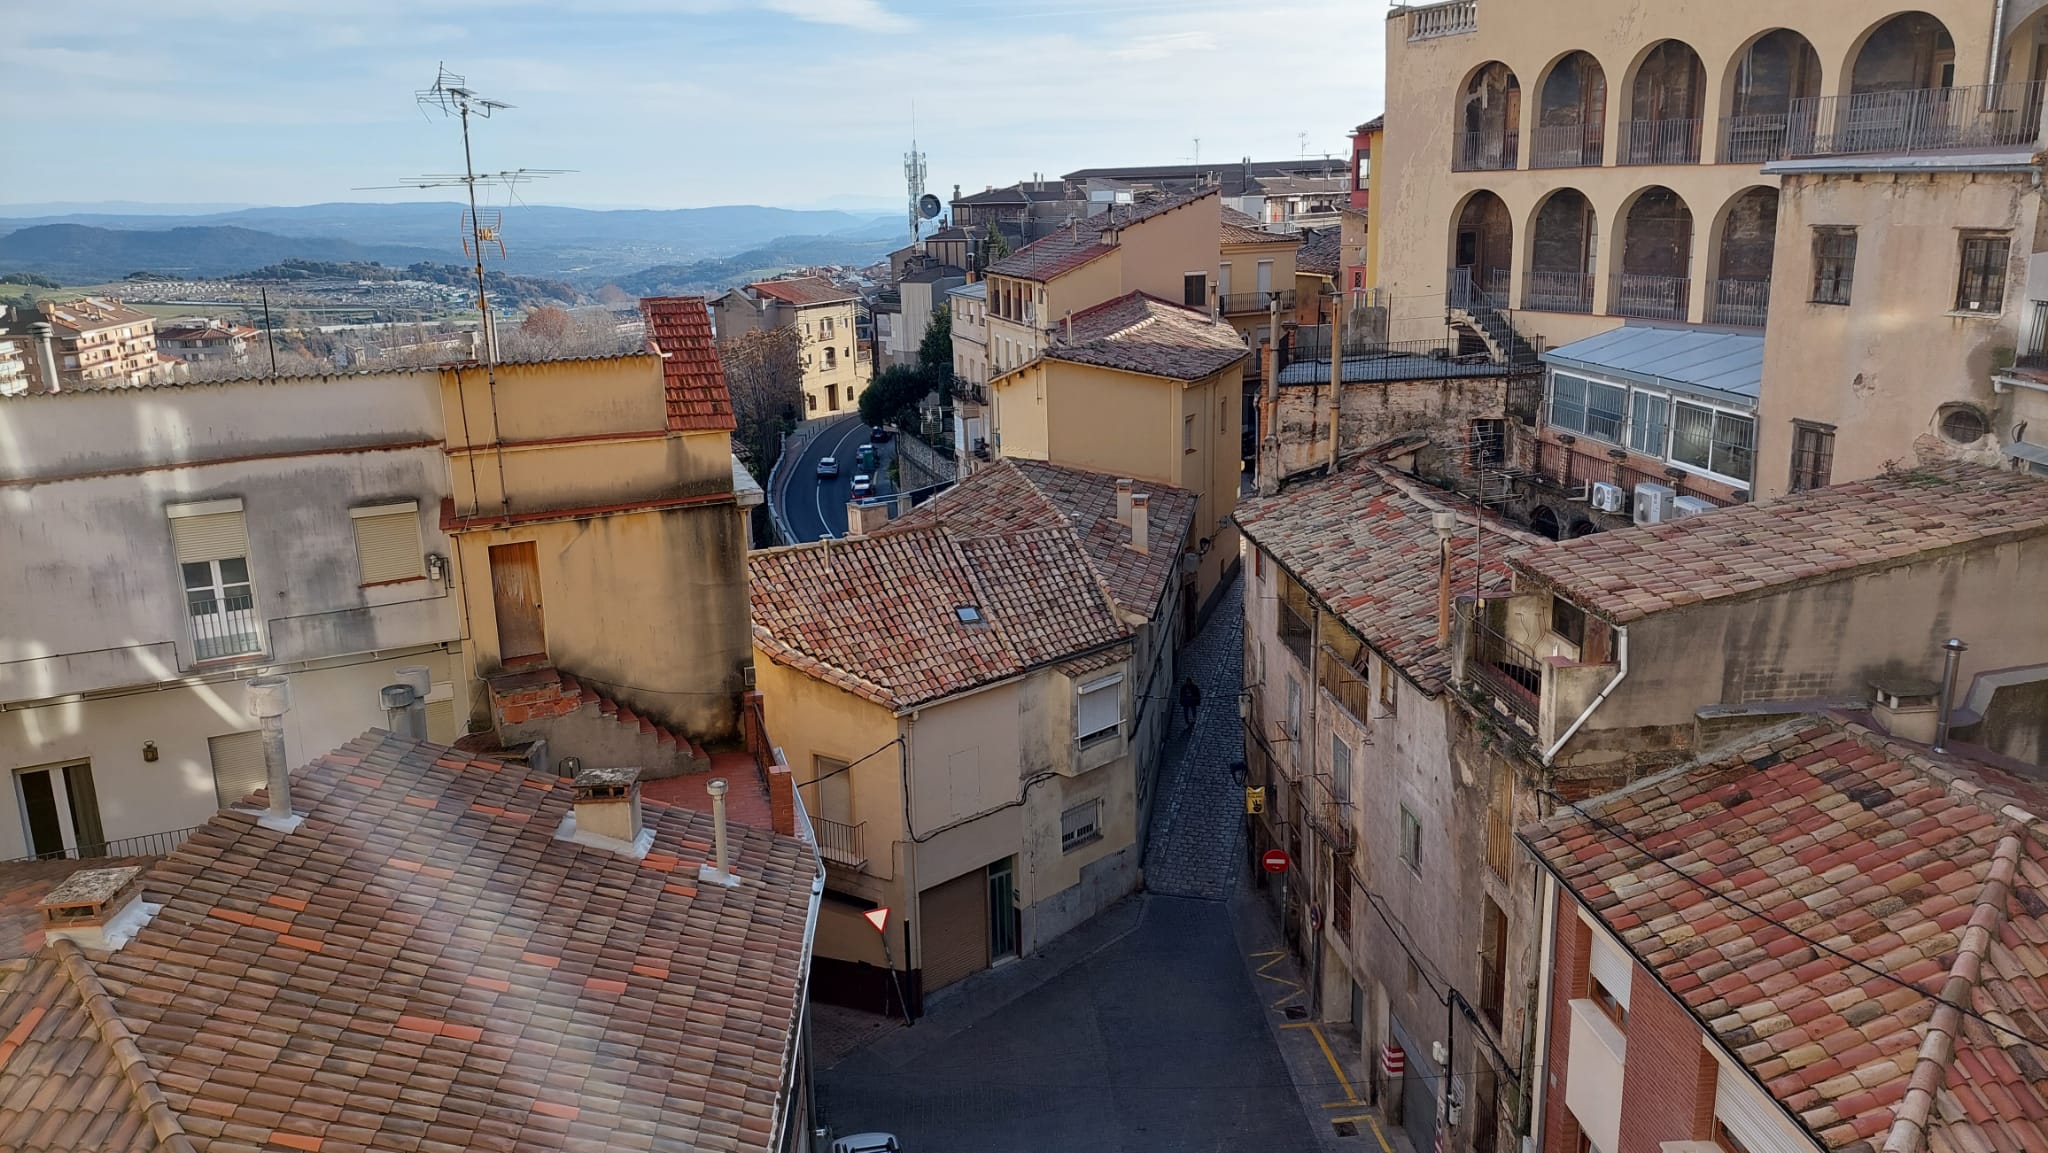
[1435, 649]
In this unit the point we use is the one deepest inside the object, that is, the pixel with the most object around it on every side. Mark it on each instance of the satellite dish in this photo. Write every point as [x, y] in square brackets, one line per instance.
[928, 206]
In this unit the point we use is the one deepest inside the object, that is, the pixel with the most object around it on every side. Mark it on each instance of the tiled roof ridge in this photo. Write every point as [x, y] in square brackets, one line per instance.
[1432, 497]
[1094, 570]
[1913, 757]
[1937, 1046]
[120, 1040]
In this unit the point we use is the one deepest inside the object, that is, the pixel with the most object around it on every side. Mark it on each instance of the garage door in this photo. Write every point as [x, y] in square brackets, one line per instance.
[955, 934]
[1418, 1091]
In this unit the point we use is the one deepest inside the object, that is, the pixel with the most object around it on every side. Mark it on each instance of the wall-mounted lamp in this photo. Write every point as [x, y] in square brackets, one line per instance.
[437, 568]
[149, 752]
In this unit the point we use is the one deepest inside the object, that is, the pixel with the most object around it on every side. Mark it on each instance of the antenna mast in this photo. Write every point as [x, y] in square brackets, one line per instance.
[913, 175]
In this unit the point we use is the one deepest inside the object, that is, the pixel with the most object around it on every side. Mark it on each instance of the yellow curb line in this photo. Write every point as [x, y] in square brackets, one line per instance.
[1374, 1122]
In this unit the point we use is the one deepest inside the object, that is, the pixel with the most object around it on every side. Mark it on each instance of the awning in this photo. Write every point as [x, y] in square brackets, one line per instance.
[1726, 367]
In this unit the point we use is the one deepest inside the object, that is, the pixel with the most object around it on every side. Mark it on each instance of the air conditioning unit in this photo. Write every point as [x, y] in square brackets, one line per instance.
[1653, 502]
[1609, 497]
[1686, 506]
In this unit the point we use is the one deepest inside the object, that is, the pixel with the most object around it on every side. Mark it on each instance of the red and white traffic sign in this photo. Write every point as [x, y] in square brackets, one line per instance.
[878, 917]
[1275, 861]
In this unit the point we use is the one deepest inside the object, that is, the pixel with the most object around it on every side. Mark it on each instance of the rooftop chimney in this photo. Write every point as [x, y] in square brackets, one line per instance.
[97, 908]
[718, 871]
[400, 703]
[1069, 323]
[270, 698]
[1952, 653]
[1141, 522]
[1123, 501]
[606, 814]
[45, 354]
[1446, 525]
[1906, 707]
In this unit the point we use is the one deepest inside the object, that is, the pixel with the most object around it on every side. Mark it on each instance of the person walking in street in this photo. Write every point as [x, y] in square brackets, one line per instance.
[1190, 699]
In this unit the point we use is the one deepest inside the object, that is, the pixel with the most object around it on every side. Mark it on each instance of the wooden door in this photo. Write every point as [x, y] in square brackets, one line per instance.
[515, 593]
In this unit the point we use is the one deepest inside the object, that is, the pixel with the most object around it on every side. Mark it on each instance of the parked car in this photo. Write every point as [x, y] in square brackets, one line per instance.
[863, 485]
[878, 434]
[828, 469]
[868, 459]
[867, 1143]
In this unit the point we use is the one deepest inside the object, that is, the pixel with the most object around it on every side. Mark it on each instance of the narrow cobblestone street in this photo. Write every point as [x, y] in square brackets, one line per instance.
[1159, 1026]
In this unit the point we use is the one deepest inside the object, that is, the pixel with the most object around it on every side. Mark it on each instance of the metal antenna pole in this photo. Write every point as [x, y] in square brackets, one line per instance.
[483, 295]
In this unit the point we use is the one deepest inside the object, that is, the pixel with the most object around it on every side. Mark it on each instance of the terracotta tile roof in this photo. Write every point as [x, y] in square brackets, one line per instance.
[679, 329]
[801, 290]
[1807, 537]
[423, 965]
[1244, 228]
[62, 1087]
[1363, 544]
[1904, 869]
[1083, 241]
[23, 883]
[878, 616]
[1321, 251]
[1142, 333]
[1017, 494]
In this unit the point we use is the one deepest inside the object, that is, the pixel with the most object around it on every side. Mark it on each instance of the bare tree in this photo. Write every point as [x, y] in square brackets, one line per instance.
[548, 323]
[764, 372]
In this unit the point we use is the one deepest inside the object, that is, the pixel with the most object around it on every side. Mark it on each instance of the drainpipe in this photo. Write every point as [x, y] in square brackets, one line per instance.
[1533, 1077]
[1621, 671]
[1336, 380]
[1996, 64]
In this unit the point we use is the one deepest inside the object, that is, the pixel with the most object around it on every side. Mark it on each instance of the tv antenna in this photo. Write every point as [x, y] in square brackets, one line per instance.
[913, 177]
[482, 229]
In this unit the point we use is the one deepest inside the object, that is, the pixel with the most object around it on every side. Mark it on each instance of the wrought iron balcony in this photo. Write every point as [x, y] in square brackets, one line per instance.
[1559, 292]
[1740, 302]
[1240, 303]
[1660, 141]
[1916, 120]
[1509, 672]
[840, 843]
[222, 626]
[1652, 297]
[1485, 151]
[1567, 146]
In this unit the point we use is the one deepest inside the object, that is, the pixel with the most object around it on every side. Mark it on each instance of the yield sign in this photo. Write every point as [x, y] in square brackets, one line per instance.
[878, 917]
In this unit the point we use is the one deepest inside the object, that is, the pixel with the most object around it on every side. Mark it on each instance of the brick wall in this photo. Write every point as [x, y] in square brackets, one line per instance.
[1377, 411]
[1668, 1094]
[1567, 983]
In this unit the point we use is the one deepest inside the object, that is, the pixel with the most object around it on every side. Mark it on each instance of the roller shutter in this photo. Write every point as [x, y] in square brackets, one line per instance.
[214, 536]
[955, 929]
[237, 766]
[388, 543]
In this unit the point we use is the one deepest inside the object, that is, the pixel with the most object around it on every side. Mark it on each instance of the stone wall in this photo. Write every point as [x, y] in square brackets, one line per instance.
[922, 466]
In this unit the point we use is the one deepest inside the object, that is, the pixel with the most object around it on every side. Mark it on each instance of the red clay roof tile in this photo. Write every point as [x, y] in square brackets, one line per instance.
[679, 328]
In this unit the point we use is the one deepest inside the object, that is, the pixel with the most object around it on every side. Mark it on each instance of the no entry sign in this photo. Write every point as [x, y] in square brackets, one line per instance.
[1275, 860]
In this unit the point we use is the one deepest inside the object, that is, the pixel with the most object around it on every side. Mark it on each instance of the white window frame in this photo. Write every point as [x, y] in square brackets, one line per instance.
[1717, 411]
[1112, 685]
[1080, 825]
[1639, 401]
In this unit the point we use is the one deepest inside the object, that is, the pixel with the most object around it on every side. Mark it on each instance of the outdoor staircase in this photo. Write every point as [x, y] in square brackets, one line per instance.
[579, 721]
[1491, 326]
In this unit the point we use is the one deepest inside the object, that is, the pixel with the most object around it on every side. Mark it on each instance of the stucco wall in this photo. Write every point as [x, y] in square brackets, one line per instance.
[1880, 368]
[1159, 252]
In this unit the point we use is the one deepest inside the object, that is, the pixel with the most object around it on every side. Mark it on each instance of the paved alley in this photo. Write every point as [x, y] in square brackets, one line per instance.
[1197, 835]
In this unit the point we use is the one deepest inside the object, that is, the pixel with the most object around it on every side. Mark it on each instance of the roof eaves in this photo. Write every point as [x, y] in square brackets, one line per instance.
[120, 1040]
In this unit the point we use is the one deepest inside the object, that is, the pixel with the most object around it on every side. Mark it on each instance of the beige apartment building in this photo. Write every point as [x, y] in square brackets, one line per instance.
[1255, 272]
[94, 342]
[1843, 187]
[977, 746]
[969, 305]
[824, 313]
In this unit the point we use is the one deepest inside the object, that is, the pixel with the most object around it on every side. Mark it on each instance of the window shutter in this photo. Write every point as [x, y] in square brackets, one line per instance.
[237, 765]
[214, 536]
[1611, 966]
[1096, 708]
[441, 722]
[388, 543]
[1747, 1115]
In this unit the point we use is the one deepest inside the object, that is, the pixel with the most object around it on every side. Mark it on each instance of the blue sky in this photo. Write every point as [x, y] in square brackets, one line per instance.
[664, 103]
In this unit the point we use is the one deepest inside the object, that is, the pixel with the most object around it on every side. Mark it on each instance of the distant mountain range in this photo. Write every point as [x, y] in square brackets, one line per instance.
[584, 245]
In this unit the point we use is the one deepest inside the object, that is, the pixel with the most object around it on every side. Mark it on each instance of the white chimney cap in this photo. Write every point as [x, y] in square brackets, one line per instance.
[1445, 523]
[270, 696]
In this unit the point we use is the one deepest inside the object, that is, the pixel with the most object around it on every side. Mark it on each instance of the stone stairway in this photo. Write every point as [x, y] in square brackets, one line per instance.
[1492, 327]
[579, 721]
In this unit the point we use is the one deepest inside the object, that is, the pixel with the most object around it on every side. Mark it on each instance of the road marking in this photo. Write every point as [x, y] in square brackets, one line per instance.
[1294, 988]
[818, 490]
[1375, 1123]
[1350, 1096]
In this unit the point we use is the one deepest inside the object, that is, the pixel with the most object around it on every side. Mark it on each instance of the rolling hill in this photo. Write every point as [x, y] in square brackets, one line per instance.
[78, 254]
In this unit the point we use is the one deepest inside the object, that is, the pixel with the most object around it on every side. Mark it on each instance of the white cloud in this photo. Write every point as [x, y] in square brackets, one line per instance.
[867, 15]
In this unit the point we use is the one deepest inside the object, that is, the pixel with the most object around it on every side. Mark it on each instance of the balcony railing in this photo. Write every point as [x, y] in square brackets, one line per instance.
[1567, 146]
[1238, 303]
[2034, 351]
[1560, 292]
[147, 845]
[1740, 302]
[1485, 151]
[1477, 288]
[1508, 671]
[1917, 120]
[1755, 139]
[222, 626]
[1652, 297]
[838, 842]
[1451, 19]
[1660, 142]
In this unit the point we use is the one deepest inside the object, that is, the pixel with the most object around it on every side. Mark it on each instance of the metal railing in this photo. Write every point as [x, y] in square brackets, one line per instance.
[222, 626]
[1916, 120]
[147, 845]
[1559, 292]
[1451, 19]
[1235, 303]
[1755, 139]
[1660, 141]
[1567, 146]
[1473, 288]
[839, 842]
[1498, 150]
[2034, 353]
[1508, 671]
[1739, 302]
[1652, 297]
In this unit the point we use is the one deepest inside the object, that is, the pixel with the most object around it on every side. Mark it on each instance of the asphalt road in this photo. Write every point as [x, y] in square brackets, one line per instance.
[813, 507]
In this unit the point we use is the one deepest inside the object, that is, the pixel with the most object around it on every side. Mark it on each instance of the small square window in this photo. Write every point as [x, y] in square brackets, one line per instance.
[1080, 825]
[1813, 457]
[1834, 264]
[1980, 285]
[1411, 841]
[1567, 620]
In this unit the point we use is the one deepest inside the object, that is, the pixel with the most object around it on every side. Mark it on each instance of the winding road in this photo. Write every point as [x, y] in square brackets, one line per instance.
[812, 506]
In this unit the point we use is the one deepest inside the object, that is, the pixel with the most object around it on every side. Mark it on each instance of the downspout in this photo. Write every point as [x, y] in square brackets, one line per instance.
[1336, 380]
[800, 1039]
[1996, 64]
[1621, 671]
[1534, 1080]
